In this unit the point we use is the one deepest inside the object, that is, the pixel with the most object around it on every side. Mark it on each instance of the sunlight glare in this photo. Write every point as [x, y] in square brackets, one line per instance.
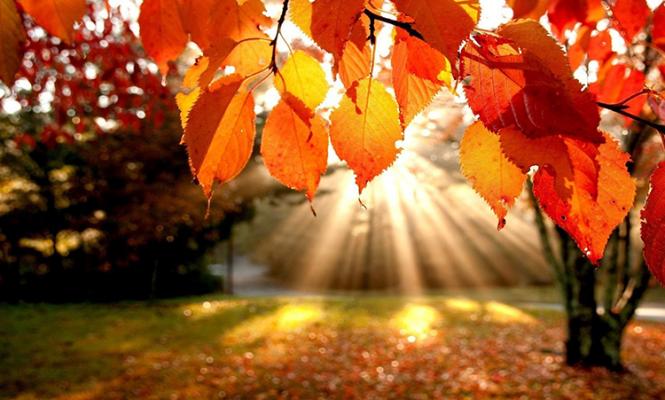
[417, 320]
[504, 313]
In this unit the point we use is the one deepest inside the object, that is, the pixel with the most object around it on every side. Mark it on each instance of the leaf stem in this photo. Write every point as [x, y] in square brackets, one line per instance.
[407, 26]
[620, 109]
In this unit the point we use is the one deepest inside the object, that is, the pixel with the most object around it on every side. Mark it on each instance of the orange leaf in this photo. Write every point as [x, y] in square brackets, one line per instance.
[12, 37]
[597, 190]
[300, 13]
[219, 132]
[190, 89]
[522, 79]
[364, 130]
[237, 20]
[444, 24]
[162, 33]
[195, 17]
[294, 145]
[497, 179]
[653, 225]
[630, 17]
[332, 23]
[356, 61]
[56, 16]
[249, 57]
[419, 73]
[303, 77]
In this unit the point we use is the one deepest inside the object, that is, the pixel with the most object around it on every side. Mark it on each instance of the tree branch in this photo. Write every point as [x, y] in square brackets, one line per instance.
[273, 43]
[399, 24]
[621, 109]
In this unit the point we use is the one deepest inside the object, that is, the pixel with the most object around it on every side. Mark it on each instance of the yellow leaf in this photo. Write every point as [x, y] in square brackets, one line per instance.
[364, 130]
[497, 179]
[303, 77]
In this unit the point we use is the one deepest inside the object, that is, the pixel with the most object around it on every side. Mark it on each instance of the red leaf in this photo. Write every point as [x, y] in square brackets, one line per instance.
[658, 29]
[630, 17]
[522, 79]
[619, 83]
[564, 14]
[653, 225]
[584, 187]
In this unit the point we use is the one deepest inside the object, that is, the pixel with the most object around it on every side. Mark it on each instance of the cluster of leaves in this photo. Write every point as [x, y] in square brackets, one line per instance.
[518, 81]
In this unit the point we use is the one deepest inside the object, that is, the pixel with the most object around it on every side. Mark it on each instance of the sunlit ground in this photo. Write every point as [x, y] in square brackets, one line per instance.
[369, 348]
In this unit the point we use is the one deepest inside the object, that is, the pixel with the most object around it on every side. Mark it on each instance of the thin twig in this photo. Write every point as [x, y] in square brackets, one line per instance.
[280, 22]
[620, 109]
[407, 26]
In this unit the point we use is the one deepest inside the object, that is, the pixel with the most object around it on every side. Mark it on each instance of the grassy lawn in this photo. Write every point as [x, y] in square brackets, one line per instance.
[342, 347]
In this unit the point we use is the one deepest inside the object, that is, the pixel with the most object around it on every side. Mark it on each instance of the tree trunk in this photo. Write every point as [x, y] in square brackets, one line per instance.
[593, 339]
[594, 336]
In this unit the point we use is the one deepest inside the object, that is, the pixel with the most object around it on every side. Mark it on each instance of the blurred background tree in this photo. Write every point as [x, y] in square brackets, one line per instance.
[96, 198]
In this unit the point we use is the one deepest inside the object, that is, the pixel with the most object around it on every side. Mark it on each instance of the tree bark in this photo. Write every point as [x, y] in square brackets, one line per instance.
[594, 336]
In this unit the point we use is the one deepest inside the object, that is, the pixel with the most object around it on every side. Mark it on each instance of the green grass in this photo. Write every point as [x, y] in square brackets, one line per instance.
[215, 347]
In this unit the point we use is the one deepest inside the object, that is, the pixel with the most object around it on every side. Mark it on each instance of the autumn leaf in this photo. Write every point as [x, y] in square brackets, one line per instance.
[522, 79]
[162, 32]
[294, 145]
[356, 61]
[195, 18]
[219, 132]
[460, 18]
[12, 37]
[249, 56]
[620, 82]
[300, 13]
[653, 225]
[302, 76]
[497, 179]
[364, 130]
[658, 27]
[419, 72]
[584, 187]
[332, 23]
[528, 8]
[56, 16]
[564, 14]
[590, 45]
[237, 20]
[190, 89]
[629, 17]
